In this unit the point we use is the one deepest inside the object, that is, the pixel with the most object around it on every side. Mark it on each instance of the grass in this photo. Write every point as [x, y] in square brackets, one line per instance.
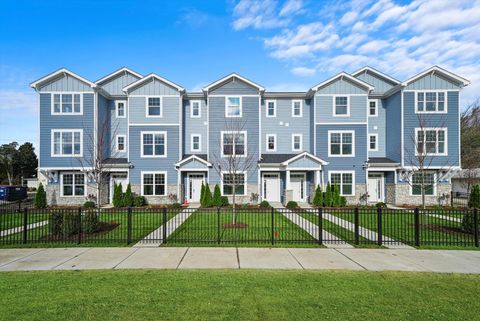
[237, 295]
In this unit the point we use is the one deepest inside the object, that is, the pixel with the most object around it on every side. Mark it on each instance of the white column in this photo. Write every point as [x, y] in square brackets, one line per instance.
[287, 180]
[317, 178]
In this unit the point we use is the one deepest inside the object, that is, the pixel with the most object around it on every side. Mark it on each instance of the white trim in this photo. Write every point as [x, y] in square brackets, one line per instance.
[232, 75]
[341, 76]
[293, 142]
[262, 188]
[147, 115]
[383, 169]
[244, 132]
[304, 154]
[341, 123]
[434, 184]
[153, 133]
[63, 130]
[436, 111]
[56, 73]
[434, 69]
[152, 124]
[375, 72]
[61, 93]
[341, 180]
[402, 139]
[376, 101]
[315, 126]
[142, 173]
[227, 105]
[124, 143]
[188, 183]
[199, 108]
[293, 108]
[192, 136]
[73, 184]
[155, 76]
[330, 132]
[334, 106]
[180, 128]
[195, 157]
[376, 143]
[245, 184]
[259, 126]
[114, 175]
[329, 95]
[274, 101]
[436, 129]
[274, 142]
[124, 102]
[304, 185]
[380, 175]
[119, 71]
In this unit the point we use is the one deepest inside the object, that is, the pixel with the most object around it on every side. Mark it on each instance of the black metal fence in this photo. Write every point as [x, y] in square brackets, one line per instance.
[459, 199]
[253, 226]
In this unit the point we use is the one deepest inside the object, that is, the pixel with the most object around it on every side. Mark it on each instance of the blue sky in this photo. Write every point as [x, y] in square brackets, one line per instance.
[283, 45]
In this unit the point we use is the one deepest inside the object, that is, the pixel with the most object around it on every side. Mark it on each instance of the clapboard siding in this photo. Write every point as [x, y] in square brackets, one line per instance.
[171, 110]
[324, 109]
[195, 126]
[393, 136]
[377, 125]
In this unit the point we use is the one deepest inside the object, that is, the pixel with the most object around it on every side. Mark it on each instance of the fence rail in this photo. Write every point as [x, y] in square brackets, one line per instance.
[263, 227]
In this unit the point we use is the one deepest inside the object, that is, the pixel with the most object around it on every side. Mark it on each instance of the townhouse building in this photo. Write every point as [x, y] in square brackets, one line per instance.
[366, 132]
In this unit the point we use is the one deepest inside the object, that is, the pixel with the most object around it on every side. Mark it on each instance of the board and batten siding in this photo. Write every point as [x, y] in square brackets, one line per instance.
[193, 125]
[381, 85]
[234, 87]
[115, 85]
[431, 82]
[324, 109]
[137, 110]
[342, 87]
[154, 87]
[376, 125]
[66, 83]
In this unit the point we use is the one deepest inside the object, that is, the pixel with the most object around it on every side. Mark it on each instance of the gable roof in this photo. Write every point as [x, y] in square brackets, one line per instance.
[436, 69]
[377, 73]
[341, 76]
[306, 155]
[232, 76]
[151, 77]
[193, 157]
[117, 72]
[56, 74]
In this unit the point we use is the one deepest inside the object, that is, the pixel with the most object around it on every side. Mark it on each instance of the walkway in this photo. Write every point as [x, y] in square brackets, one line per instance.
[19, 229]
[240, 258]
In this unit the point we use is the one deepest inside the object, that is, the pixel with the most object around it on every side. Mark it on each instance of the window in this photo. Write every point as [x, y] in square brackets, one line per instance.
[153, 183]
[297, 142]
[373, 142]
[67, 104]
[297, 108]
[233, 107]
[154, 107]
[372, 108]
[431, 102]
[428, 183]
[120, 109]
[73, 185]
[234, 144]
[341, 143]
[195, 111]
[431, 141]
[234, 181]
[196, 144]
[341, 107]
[154, 144]
[271, 142]
[345, 180]
[67, 142]
[121, 143]
[271, 108]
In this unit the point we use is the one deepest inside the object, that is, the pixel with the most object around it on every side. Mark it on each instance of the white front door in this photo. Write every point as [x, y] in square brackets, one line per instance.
[194, 186]
[298, 185]
[375, 187]
[271, 187]
[118, 179]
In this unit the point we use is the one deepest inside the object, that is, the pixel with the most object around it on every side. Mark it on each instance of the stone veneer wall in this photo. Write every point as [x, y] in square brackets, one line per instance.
[402, 195]
[157, 200]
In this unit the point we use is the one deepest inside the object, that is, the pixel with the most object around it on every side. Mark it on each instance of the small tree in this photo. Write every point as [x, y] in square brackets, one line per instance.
[208, 196]
[117, 195]
[474, 201]
[328, 195]
[336, 195]
[202, 195]
[318, 199]
[128, 198]
[40, 197]
[217, 196]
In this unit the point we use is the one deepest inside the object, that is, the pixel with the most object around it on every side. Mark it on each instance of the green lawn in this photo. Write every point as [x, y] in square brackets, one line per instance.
[237, 295]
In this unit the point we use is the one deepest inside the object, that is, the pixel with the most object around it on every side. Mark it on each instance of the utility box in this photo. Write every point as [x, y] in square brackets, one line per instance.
[13, 193]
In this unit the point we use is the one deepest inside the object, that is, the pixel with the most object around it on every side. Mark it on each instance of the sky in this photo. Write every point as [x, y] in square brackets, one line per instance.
[282, 45]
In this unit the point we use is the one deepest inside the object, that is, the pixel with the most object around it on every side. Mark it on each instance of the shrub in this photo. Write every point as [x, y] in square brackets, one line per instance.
[117, 195]
[474, 200]
[208, 200]
[292, 205]
[336, 195]
[328, 195]
[128, 197]
[40, 197]
[468, 223]
[91, 221]
[217, 196]
[139, 201]
[89, 204]
[202, 195]
[55, 223]
[264, 204]
[176, 205]
[381, 204]
[63, 224]
[318, 199]
[225, 201]
[343, 201]
[245, 206]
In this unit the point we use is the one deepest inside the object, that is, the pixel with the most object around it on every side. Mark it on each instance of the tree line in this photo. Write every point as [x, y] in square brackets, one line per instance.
[17, 162]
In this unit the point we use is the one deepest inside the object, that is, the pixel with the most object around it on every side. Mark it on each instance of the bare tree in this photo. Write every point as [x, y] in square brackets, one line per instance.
[470, 138]
[235, 158]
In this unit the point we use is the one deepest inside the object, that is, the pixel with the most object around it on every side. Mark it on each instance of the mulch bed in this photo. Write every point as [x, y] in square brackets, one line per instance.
[235, 225]
[104, 228]
[444, 229]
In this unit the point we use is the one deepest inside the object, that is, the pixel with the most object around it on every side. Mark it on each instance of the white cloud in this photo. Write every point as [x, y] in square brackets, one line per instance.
[257, 14]
[303, 71]
[18, 101]
[292, 7]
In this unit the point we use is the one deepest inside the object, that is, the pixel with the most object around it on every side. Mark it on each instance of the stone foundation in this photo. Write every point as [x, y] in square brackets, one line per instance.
[403, 197]
[359, 197]
[243, 199]
[54, 197]
[158, 200]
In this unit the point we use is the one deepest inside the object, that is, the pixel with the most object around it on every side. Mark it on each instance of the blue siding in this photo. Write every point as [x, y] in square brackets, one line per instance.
[115, 85]
[342, 86]
[381, 85]
[324, 106]
[234, 87]
[195, 126]
[118, 126]
[104, 124]
[137, 111]
[434, 81]
[376, 125]
[154, 87]
[393, 124]
[66, 83]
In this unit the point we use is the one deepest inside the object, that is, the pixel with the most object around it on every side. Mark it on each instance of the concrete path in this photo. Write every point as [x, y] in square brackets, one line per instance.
[19, 229]
[155, 238]
[240, 258]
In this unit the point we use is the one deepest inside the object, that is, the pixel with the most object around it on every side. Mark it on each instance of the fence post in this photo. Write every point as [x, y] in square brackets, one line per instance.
[218, 225]
[356, 223]
[129, 226]
[320, 226]
[79, 222]
[164, 226]
[273, 225]
[475, 225]
[417, 227]
[451, 198]
[25, 225]
[379, 226]
[19, 206]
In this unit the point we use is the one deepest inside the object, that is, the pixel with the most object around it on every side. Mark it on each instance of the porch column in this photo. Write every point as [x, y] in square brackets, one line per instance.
[287, 180]
[317, 178]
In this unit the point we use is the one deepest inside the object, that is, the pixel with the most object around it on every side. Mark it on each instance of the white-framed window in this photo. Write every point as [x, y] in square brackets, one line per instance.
[196, 143]
[431, 141]
[428, 184]
[120, 109]
[154, 107]
[195, 109]
[237, 181]
[297, 142]
[372, 107]
[431, 102]
[271, 110]
[297, 108]
[121, 143]
[372, 142]
[341, 143]
[67, 142]
[271, 142]
[233, 106]
[234, 143]
[72, 184]
[341, 106]
[67, 104]
[154, 183]
[345, 180]
[154, 144]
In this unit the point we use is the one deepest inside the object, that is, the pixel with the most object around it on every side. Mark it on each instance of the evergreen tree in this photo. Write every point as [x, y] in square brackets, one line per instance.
[202, 196]
[336, 195]
[208, 196]
[474, 201]
[40, 197]
[217, 196]
[128, 198]
[328, 195]
[318, 199]
[117, 195]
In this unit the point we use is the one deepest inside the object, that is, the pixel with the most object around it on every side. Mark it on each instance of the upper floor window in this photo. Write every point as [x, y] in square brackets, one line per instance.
[195, 143]
[431, 141]
[67, 142]
[120, 109]
[67, 104]
[372, 108]
[296, 142]
[341, 107]
[233, 107]
[341, 143]
[428, 183]
[73, 184]
[154, 144]
[345, 180]
[271, 142]
[271, 108]
[372, 142]
[154, 107]
[431, 102]
[154, 183]
[121, 143]
[297, 108]
[195, 110]
[234, 144]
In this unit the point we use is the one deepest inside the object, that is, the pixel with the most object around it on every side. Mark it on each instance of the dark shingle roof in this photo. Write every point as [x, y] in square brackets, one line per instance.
[382, 160]
[276, 158]
[116, 161]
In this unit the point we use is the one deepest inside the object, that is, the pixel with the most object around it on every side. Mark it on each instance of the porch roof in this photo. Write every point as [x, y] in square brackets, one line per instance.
[304, 160]
[382, 162]
[188, 159]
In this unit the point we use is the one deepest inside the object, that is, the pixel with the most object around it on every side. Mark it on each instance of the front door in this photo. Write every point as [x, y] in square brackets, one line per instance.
[194, 185]
[118, 179]
[375, 187]
[298, 185]
[271, 187]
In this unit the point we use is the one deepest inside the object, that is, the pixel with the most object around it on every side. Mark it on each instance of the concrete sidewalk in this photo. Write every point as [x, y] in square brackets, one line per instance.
[240, 258]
